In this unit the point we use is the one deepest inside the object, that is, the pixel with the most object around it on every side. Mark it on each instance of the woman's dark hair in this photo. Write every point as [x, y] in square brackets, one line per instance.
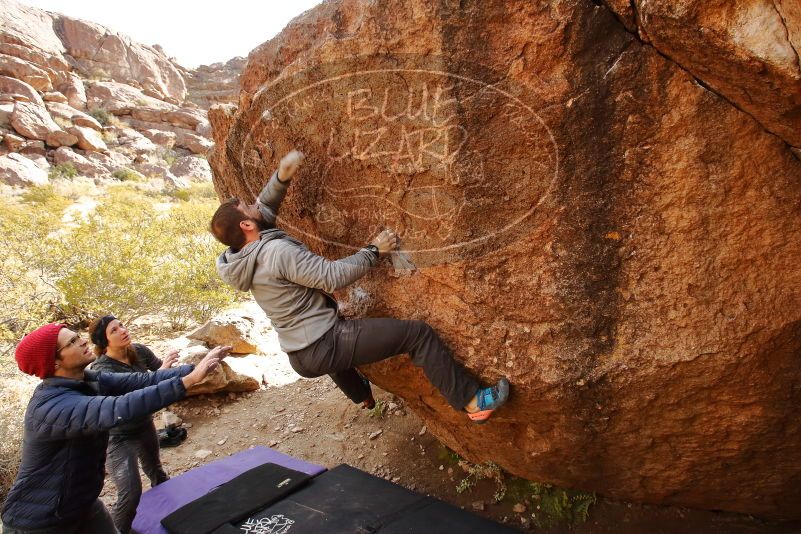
[97, 333]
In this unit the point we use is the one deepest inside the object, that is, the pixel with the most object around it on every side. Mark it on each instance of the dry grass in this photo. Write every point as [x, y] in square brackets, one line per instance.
[15, 391]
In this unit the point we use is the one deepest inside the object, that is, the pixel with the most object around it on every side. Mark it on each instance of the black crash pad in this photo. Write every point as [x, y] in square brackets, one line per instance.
[349, 501]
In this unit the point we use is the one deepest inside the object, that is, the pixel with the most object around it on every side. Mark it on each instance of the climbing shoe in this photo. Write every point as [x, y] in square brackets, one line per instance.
[171, 437]
[488, 400]
[369, 402]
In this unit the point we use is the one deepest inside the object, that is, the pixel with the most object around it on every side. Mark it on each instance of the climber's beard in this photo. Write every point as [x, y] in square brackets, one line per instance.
[261, 224]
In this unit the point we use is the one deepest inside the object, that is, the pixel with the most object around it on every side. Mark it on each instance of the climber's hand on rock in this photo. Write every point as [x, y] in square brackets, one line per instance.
[289, 165]
[386, 241]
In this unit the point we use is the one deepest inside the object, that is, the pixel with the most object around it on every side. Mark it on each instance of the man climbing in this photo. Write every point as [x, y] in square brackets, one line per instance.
[293, 286]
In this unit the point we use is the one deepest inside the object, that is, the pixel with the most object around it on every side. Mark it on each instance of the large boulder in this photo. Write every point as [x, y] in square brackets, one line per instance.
[82, 164]
[196, 144]
[134, 142]
[16, 169]
[25, 71]
[33, 121]
[78, 118]
[232, 330]
[214, 84]
[61, 138]
[30, 30]
[75, 91]
[121, 98]
[88, 139]
[19, 90]
[160, 137]
[6, 110]
[585, 217]
[59, 43]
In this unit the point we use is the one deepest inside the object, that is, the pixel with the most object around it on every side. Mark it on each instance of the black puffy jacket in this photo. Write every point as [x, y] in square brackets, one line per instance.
[65, 438]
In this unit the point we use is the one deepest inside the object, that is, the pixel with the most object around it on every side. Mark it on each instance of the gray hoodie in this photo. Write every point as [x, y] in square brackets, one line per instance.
[289, 282]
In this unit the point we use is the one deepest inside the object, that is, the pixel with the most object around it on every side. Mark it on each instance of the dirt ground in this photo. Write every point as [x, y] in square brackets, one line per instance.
[312, 420]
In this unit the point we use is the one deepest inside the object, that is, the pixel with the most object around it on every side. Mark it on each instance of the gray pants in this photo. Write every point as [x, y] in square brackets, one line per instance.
[97, 521]
[349, 344]
[122, 462]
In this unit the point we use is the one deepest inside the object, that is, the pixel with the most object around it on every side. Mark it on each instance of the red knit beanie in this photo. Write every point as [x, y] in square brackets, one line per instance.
[36, 353]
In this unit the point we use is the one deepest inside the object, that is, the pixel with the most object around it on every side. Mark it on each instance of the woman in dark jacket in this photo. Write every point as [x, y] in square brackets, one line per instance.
[66, 430]
[137, 441]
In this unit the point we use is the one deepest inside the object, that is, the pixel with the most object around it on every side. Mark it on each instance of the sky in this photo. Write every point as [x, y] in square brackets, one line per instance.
[195, 33]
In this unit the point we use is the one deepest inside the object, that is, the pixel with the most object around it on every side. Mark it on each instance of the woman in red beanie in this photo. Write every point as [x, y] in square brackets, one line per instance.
[66, 430]
[136, 441]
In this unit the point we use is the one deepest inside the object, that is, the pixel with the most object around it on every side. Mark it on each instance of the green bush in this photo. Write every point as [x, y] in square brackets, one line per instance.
[102, 116]
[169, 156]
[26, 291]
[124, 174]
[62, 170]
[548, 505]
[129, 257]
[554, 505]
[198, 191]
[148, 262]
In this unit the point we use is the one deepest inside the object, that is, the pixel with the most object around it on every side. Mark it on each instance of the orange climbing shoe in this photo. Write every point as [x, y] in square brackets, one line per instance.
[488, 400]
[369, 402]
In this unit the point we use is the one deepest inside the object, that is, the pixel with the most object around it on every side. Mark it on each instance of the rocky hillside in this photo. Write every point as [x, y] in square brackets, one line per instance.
[602, 203]
[217, 83]
[78, 97]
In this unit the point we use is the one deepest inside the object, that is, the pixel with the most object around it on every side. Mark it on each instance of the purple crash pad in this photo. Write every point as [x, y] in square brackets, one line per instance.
[157, 503]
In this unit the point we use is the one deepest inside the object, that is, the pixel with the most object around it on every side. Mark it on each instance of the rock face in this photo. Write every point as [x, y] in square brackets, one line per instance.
[16, 169]
[96, 49]
[67, 82]
[585, 217]
[61, 42]
[217, 83]
[746, 51]
[32, 121]
[193, 168]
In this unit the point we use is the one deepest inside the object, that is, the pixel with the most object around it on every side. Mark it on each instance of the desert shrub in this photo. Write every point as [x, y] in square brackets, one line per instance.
[62, 170]
[26, 293]
[136, 260]
[45, 196]
[124, 174]
[14, 395]
[132, 256]
[182, 194]
[106, 118]
[109, 137]
[169, 156]
[476, 472]
[102, 116]
[203, 191]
